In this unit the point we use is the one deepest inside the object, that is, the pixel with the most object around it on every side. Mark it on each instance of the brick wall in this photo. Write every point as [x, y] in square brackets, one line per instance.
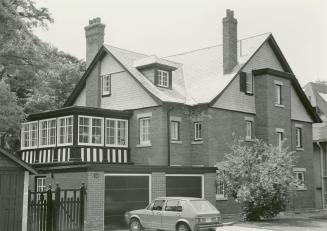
[158, 185]
[210, 187]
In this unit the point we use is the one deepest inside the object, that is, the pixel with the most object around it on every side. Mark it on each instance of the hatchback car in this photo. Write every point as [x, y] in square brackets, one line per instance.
[175, 213]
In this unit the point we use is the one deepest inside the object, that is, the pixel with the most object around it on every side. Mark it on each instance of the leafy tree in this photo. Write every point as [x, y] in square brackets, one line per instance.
[259, 177]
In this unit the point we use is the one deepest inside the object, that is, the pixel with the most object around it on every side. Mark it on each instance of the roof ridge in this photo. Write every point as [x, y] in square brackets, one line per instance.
[191, 51]
[126, 50]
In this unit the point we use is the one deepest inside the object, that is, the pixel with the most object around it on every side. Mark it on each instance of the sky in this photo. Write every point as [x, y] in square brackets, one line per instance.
[165, 27]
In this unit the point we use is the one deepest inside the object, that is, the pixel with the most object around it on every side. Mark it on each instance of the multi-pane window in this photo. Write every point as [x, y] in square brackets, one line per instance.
[47, 133]
[280, 138]
[299, 175]
[40, 184]
[65, 130]
[90, 130]
[106, 84]
[145, 131]
[116, 132]
[163, 78]
[278, 88]
[197, 131]
[298, 137]
[249, 83]
[220, 190]
[174, 130]
[248, 135]
[29, 135]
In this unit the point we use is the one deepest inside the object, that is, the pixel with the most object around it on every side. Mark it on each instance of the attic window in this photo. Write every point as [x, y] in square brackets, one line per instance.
[162, 78]
[246, 83]
[106, 85]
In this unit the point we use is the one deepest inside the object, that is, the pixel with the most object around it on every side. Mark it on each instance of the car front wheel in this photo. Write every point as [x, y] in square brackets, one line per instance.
[135, 225]
[182, 227]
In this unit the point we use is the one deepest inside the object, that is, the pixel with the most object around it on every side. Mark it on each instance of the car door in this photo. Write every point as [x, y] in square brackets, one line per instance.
[152, 218]
[171, 214]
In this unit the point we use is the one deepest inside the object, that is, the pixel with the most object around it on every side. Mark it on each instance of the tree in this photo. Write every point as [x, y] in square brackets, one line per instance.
[259, 177]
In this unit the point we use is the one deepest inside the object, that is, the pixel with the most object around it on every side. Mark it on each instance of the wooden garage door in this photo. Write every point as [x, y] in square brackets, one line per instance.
[11, 200]
[124, 193]
[186, 186]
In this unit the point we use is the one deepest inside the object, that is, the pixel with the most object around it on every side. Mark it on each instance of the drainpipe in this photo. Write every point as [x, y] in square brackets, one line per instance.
[168, 133]
[322, 174]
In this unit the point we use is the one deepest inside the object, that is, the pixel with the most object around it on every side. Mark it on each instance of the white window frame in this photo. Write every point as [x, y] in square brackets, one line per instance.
[280, 136]
[299, 137]
[297, 172]
[174, 130]
[42, 186]
[142, 141]
[220, 196]
[249, 128]
[278, 92]
[162, 76]
[106, 82]
[197, 132]
[66, 130]
[29, 135]
[116, 132]
[90, 130]
[249, 83]
[48, 133]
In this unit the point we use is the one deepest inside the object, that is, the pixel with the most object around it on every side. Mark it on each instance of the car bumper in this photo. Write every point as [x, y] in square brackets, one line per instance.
[207, 226]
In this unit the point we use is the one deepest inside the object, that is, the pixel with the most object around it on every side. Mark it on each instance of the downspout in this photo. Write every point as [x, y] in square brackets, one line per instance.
[168, 134]
[322, 174]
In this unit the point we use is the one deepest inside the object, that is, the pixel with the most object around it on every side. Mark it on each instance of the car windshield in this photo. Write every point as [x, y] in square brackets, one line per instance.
[203, 206]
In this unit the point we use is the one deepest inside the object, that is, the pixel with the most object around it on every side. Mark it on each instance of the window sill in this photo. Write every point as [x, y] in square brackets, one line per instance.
[301, 189]
[144, 145]
[176, 142]
[279, 105]
[197, 142]
[299, 149]
[249, 140]
[221, 198]
[106, 95]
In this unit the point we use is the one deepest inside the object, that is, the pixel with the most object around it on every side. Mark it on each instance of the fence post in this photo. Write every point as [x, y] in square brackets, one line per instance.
[82, 199]
[57, 208]
[49, 209]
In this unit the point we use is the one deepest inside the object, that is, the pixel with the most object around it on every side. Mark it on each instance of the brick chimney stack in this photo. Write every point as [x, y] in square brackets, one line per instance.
[229, 41]
[94, 33]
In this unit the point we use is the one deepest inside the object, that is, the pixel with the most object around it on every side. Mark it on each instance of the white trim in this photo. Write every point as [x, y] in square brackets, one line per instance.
[37, 135]
[197, 142]
[161, 78]
[143, 115]
[248, 122]
[280, 129]
[90, 130]
[177, 141]
[58, 130]
[116, 132]
[249, 76]
[297, 125]
[48, 133]
[200, 175]
[136, 174]
[144, 145]
[104, 93]
[279, 105]
[25, 201]
[248, 118]
[195, 131]
[146, 142]
[299, 169]
[175, 118]
[276, 82]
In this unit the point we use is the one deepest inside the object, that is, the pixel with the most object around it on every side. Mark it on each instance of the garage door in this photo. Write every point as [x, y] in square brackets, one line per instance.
[124, 193]
[186, 186]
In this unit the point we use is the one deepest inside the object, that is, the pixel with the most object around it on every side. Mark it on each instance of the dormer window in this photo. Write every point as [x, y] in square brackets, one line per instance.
[163, 78]
[106, 85]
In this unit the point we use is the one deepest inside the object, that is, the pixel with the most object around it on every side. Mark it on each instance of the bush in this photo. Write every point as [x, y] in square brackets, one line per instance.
[259, 177]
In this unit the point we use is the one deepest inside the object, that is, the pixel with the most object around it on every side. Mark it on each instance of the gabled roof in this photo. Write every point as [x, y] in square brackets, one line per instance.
[17, 161]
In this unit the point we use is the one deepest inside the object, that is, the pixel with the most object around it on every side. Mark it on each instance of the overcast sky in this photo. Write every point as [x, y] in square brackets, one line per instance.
[165, 27]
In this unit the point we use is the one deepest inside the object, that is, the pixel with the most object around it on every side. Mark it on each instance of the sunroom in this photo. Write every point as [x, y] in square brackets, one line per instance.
[76, 134]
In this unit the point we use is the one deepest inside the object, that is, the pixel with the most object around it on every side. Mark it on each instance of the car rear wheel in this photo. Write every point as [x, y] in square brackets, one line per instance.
[182, 227]
[135, 225]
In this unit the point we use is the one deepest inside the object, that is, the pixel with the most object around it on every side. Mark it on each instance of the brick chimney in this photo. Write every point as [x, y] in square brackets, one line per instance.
[94, 33]
[229, 41]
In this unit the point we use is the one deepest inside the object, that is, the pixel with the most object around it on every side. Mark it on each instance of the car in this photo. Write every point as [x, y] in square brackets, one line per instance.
[175, 213]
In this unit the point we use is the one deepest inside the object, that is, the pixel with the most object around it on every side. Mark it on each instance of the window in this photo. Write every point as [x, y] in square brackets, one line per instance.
[173, 205]
[174, 130]
[163, 78]
[47, 133]
[29, 135]
[40, 184]
[299, 175]
[65, 131]
[220, 190]
[106, 85]
[248, 130]
[249, 83]
[158, 204]
[90, 130]
[197, 131]
[145, 131]
[116, 132]
[278, 94]
[298, 137]
[280, 138]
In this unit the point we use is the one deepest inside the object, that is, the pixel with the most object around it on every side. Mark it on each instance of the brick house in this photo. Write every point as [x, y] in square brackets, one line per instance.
[138, 126]
[317, 94]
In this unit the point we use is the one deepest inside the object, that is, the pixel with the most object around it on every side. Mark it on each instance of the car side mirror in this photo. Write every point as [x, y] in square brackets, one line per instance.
[179, 208]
